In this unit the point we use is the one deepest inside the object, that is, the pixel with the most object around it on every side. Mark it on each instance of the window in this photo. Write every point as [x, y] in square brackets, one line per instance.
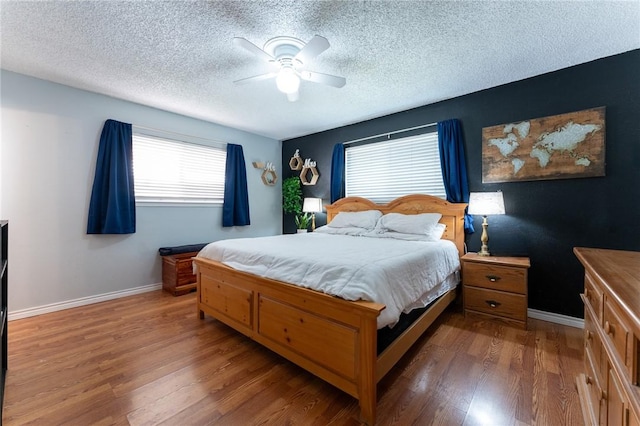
[170, 171]
[383, 171]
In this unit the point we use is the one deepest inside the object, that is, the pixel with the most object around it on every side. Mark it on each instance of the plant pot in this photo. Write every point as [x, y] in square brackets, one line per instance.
[301, 231]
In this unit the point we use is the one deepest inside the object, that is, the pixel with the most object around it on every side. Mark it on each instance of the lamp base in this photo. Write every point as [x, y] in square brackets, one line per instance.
[484, 249]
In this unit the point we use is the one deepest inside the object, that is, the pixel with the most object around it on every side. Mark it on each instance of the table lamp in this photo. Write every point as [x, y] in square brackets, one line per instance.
[485, 203]
[313, 206]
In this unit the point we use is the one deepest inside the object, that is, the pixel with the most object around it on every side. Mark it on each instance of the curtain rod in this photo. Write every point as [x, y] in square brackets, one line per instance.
[169, 132]
[388, 134]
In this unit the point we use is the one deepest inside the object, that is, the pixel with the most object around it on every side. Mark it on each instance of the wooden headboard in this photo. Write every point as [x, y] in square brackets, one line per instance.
[452, 213]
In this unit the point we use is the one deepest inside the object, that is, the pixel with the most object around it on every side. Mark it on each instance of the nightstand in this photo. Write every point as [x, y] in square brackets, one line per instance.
[496, 287]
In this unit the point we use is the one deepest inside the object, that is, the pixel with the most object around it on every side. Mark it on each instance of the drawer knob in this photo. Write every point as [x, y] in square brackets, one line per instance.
[493, 278]
[493, 303]
[589, 335]
[588, 380]
[608, 328]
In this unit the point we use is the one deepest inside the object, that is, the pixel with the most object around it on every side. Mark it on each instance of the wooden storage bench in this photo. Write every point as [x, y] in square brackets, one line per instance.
[177, 268]
[177, 273]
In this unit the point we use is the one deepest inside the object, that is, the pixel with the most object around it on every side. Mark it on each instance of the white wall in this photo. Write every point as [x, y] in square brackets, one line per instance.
[49, 144]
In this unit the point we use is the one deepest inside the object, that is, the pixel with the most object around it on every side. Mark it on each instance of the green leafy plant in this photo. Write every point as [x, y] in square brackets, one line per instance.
[292, 201]
[303, 220]
[292, 195]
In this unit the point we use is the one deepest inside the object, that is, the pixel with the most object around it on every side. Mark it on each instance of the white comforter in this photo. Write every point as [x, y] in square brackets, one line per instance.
[393, 272]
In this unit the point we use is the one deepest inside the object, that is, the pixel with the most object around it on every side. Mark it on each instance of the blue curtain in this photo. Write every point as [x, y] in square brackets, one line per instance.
[337, 172]
[235, 210]
[454, 167]
[112, 208]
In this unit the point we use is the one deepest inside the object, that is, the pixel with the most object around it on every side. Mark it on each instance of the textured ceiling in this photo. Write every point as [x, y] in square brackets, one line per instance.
[395, 55]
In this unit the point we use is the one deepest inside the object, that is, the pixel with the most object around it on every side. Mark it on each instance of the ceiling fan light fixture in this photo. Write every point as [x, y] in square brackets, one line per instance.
[288, 55]
[287, 80]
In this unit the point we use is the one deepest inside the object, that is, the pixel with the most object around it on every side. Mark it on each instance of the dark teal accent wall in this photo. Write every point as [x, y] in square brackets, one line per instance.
[545, 219]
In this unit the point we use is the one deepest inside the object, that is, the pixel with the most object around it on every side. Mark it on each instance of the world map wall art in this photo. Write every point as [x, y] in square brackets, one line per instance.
[557, 147]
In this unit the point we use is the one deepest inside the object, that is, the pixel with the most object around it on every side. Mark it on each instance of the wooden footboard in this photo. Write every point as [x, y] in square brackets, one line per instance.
[332, 338]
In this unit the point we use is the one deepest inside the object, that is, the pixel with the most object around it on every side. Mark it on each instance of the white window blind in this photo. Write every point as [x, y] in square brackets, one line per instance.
[383, 171]
[170, 171]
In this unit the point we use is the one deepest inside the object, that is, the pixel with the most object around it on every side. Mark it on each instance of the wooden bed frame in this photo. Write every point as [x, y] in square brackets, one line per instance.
[330, 337]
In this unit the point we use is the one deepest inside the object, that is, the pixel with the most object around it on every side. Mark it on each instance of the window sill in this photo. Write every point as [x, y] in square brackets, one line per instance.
[176, 204]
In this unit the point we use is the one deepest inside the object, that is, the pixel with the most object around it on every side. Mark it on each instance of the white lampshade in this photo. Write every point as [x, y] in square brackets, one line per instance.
[288, 81]
[312, 205]
[486, 203]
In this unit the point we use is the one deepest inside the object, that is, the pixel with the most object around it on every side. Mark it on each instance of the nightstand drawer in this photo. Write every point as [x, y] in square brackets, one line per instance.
[493, 302]
[495, 277]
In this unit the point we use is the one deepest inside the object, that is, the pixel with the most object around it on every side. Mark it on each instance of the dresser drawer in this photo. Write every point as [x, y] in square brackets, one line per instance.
[495, 277]
[594, 297]
[508, 305]
[594, 346]
[595, 389]
[617, 332]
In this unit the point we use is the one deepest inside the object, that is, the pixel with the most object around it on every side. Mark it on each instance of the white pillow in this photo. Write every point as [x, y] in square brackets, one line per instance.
[435, 234]
[354, 231]
[409, 223]
[366, 219]
[437, 231]
[403, 236]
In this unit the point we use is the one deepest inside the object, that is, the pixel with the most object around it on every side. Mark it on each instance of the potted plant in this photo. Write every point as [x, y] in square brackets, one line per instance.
[303, 220]
[292, 201]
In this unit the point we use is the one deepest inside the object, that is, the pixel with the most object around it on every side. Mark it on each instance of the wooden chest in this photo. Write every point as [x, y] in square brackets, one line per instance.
[177, 273]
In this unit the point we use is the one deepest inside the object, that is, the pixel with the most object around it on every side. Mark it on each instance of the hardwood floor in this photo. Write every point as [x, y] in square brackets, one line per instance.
[148, 360]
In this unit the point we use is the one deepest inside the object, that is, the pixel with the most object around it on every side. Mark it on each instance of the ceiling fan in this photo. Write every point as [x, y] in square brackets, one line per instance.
[287, 57]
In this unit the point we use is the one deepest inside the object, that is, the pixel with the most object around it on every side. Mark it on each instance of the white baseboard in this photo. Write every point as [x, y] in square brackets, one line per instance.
[556, 318]
[53, 307]
[31, 312]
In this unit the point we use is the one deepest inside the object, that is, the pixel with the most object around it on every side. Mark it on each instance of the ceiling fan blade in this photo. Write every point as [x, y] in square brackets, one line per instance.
[247, 45]
[293, 96]
[256, 78]
[313, 48]
[328, 79]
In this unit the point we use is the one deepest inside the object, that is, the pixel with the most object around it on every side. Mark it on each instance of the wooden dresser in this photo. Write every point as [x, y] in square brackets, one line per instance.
[496, 286]
[608, 388]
